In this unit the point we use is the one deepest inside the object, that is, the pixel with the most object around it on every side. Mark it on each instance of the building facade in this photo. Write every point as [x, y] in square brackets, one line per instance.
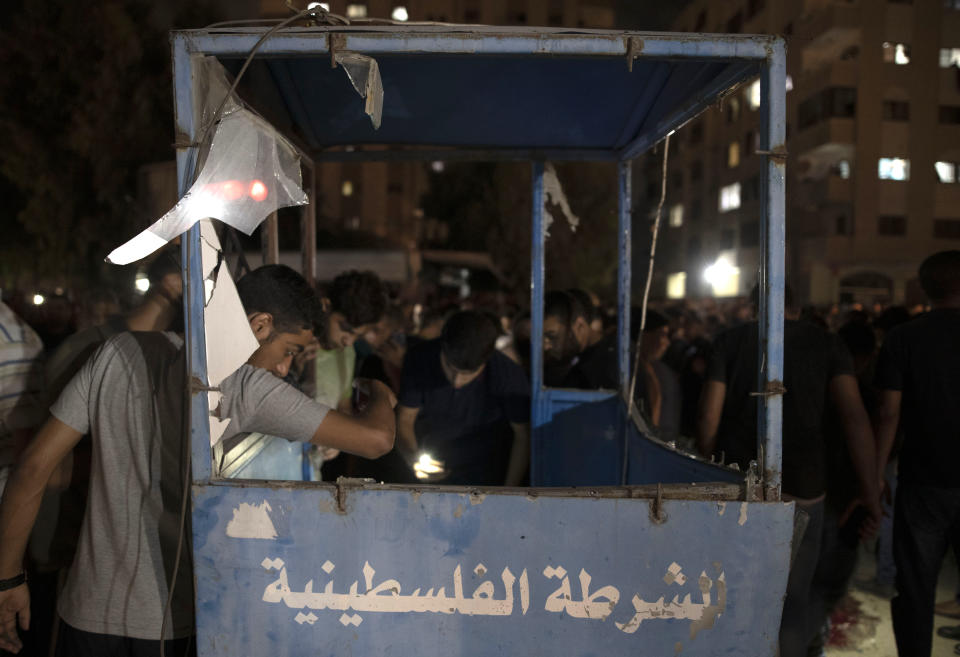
[873, 136]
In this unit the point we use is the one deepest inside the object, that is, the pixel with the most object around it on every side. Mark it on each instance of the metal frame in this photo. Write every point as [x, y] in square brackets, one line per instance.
[768, 53]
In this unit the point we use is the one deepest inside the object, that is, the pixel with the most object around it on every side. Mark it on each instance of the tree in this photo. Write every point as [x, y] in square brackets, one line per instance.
[85, 99]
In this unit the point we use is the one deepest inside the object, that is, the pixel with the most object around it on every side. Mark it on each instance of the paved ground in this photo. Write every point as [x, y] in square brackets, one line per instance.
[863, 626]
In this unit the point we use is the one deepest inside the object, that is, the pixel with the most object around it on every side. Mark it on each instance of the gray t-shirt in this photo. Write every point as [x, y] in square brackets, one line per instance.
[129, 397]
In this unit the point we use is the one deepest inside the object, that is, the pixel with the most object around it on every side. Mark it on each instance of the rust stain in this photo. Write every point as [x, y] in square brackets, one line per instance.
[677, 649]
[458, 512]
[742, 520]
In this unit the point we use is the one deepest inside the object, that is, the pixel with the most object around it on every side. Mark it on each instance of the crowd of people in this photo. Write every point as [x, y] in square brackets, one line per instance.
[349, 382]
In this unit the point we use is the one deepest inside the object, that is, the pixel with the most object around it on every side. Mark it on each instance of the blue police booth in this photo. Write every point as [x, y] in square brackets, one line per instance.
[624, 545]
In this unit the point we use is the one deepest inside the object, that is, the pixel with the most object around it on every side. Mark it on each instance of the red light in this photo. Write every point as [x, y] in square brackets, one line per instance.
[227, 190]
[232, 190]
[258, 191]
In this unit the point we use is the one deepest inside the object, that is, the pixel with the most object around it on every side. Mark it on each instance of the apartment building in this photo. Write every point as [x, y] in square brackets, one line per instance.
[873, 136]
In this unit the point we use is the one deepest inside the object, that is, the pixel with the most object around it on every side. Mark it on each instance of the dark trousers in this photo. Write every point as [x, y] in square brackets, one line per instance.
[926, 521]
[838, 560]
[799, 620]
[72, 642]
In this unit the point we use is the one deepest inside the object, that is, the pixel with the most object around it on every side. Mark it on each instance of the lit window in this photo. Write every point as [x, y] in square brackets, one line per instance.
[356, 11]
[400, 14]
[946, 172]
[896, 53]
[676, 215]
[843, 169]
[893, 168]
[949, 57]
[677, 285]
[346, 188]
[753, 95]
[733, 154]
[730, 197]
[437, 166]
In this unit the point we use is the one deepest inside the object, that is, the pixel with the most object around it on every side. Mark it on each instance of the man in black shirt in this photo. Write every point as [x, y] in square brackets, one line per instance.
[918, 378]
[466, 405]
[572, 358]
[817, 367]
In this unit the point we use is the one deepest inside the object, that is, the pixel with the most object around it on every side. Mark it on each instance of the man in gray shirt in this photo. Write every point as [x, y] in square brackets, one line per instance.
[130, 397]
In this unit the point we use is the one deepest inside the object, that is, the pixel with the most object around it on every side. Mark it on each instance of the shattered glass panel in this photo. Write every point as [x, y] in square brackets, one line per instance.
[250, 172]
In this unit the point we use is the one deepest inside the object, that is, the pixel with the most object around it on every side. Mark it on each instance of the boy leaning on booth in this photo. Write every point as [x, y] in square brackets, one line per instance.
[130, 397]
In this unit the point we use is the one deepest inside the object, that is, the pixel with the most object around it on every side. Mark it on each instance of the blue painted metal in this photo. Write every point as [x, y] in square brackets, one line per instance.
[580, 442]
[773, 278]
[480, 40]
[419, 537]
[470, 155]
[650, 462]
[414, 543]
[192, 266]
[539, 411]
[624, 270]
[709, 89]
[586, 439]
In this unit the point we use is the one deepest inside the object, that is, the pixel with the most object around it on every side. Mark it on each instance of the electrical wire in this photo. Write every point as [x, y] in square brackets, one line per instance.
[653, 253]
[646, 297]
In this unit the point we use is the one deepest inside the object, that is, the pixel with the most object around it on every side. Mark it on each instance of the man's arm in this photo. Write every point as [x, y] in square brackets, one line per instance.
[708, 415]
[369, 433]
[519, 462]
[845, 396]
[887, 423]
[18, 512]
[407, 438]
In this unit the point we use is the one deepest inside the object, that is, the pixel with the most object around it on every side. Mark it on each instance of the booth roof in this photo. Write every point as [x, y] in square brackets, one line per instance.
[548, 99]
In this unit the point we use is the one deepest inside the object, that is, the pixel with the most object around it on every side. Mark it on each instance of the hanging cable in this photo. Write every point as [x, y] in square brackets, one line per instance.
[646, 289]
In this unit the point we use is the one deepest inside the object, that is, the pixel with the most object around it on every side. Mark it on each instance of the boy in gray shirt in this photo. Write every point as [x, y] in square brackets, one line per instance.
[130, 397]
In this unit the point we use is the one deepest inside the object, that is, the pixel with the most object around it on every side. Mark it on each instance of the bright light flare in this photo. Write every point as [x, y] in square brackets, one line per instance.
[258, 191]
[400, 14]
[142, 283]
[38, 299]
[427, 467]
[723, 277]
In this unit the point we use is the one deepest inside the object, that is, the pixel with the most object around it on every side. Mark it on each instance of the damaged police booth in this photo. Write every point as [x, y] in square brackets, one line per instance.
[623, 544]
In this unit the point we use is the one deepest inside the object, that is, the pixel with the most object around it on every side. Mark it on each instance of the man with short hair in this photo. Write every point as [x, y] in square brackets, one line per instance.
[130, 396]
[466, 405]
[354, 302]
[572, 359]
[918, 378]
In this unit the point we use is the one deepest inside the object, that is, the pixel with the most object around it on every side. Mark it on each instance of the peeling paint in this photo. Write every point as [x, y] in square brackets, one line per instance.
[710, 612]
[674, 575]
[721, 507]
[252, 521]
[553, 193]
[477, 498]
[743, 514]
